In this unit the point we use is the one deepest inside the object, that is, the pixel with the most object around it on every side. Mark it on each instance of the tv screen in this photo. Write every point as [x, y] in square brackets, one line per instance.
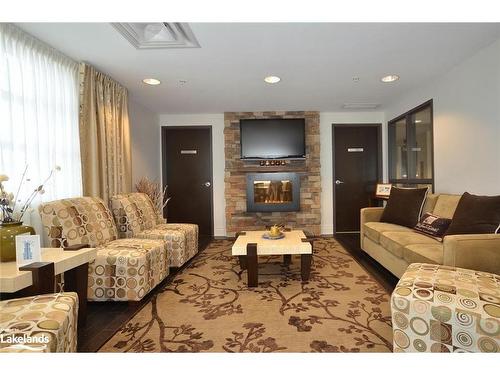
[273, 139]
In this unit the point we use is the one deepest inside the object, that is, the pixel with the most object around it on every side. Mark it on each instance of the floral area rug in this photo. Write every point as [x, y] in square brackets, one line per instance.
[208, 308]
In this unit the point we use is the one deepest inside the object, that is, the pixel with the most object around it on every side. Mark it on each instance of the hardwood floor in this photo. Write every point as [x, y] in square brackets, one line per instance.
[351, 243]
[104, 319]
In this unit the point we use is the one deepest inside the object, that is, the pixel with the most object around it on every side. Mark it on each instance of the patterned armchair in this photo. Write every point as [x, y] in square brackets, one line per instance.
[446, 309]
[46, 323]
[124, 269]
[136, 218]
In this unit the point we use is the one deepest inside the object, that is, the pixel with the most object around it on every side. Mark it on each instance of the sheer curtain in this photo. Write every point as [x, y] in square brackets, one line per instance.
[38, 118]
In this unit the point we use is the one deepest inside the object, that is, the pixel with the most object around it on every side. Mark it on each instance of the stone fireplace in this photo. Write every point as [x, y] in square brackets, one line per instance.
[272, 199]
[273, 192]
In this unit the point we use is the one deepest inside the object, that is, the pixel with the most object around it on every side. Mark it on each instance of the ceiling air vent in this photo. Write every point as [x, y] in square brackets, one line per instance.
[156, 35]
[360, 105]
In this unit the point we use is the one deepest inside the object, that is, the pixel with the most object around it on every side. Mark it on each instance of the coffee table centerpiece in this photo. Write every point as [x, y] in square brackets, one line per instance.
[249, 245]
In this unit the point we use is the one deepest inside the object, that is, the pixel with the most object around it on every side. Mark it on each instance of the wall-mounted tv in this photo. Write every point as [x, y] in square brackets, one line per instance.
[273, 139]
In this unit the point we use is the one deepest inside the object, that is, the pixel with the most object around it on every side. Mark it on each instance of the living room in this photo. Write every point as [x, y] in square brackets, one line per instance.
[250, 187]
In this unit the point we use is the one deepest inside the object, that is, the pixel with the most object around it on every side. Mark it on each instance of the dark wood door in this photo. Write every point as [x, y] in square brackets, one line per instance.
[187, 171]
[356, 171]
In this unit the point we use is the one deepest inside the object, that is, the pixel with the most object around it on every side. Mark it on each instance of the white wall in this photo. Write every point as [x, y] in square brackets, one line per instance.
[466, 123]
[326, 120]
[217, 123]
[146, 151]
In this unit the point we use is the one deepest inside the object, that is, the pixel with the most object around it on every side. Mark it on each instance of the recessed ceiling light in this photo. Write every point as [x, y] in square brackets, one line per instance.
[151, 81]
[389, 78]
[272, 79]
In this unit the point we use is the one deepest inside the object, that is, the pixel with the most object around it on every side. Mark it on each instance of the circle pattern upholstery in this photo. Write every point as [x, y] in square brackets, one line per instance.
[450, 312]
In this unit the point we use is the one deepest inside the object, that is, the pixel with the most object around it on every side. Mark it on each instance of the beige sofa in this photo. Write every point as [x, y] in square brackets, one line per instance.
[396, 247]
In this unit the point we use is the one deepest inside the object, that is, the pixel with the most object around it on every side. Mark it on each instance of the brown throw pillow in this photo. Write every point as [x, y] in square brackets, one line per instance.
[404, 206]
[476, 214]
[432, 225]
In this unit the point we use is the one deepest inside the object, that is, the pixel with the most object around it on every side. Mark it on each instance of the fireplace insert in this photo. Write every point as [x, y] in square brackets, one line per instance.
[268, 192]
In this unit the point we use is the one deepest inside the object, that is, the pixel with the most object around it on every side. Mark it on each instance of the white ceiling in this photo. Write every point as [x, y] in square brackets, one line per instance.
[315, 61]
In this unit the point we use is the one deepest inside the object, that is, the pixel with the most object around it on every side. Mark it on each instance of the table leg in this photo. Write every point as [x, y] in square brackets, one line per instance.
[76, 280]
[43, 277]
[287, 259]
[305, 266]
[243, 262]
[252, 265]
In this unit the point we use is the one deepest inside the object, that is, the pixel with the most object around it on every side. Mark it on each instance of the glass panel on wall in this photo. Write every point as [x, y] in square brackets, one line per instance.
[411, 148]
[399, 150]
[421, 150]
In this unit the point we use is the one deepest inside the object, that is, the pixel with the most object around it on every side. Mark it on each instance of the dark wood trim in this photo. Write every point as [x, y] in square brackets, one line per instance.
[163, 134]
[43, 276]
[252, 265]
[429, 181]
[379, 161]
[76, 280]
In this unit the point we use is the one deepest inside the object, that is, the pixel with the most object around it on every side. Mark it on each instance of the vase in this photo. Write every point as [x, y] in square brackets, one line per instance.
[8, 233]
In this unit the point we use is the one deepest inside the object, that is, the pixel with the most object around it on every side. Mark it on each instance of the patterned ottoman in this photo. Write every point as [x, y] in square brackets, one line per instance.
[45, 323]
[445, 309]
[136, 217]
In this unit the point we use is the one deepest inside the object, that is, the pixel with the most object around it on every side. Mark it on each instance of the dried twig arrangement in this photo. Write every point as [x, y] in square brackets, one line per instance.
[155, 192]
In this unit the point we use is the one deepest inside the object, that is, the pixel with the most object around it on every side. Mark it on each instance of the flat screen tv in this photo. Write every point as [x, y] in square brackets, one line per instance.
[273, 139]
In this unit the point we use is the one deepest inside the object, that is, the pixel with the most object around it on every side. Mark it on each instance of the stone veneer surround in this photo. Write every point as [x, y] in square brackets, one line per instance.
[237, 217]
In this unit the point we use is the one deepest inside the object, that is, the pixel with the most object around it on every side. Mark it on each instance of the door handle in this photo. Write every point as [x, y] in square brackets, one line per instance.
[207, 184]
[338, 182]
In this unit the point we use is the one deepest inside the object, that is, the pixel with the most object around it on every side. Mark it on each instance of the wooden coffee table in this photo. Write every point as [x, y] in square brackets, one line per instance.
[249, 245]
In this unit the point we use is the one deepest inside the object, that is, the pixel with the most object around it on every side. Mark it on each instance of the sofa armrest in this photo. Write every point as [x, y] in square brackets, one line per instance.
[369, 214]
[479, 252]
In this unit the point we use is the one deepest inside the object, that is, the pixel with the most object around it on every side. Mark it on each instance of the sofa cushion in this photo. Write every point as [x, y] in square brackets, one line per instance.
[133, 213]
[73, 221]
[372, 230]
[424, 253]
[476, 215]
[127, 269]
[181, 240]
[404, 206]
[446, 205]
[430, 202]
[395, 242]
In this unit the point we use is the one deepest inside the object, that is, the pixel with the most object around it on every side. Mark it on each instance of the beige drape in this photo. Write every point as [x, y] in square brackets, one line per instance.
[104, 135]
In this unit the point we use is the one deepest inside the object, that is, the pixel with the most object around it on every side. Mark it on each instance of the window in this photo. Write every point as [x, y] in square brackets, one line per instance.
[38, 116]
[411, 148]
